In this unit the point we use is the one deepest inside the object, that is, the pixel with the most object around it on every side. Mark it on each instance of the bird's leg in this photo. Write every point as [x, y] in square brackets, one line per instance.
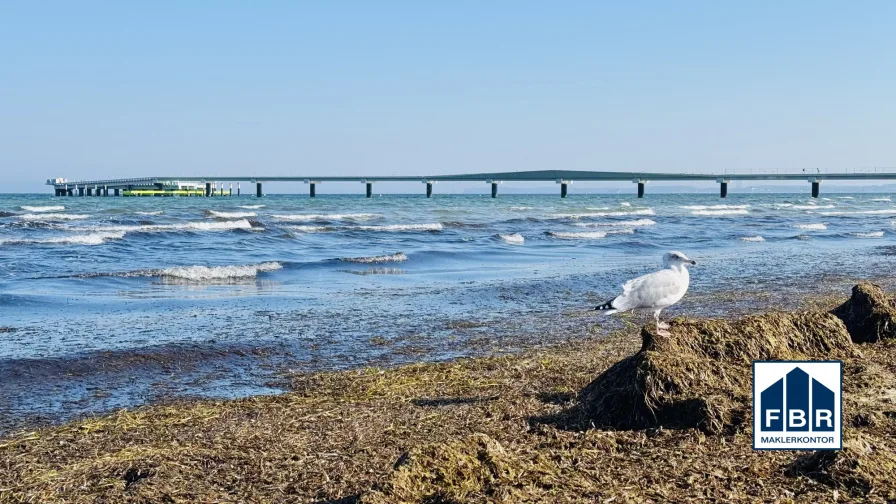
[661, 327]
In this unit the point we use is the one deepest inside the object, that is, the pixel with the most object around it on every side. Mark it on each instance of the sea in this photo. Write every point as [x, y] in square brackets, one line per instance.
[112, 302]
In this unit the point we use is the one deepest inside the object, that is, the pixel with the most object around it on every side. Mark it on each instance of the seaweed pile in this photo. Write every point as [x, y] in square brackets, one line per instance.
[667, 422]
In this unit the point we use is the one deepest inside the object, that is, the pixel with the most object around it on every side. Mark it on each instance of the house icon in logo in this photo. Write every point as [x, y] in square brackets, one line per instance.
[797, 405]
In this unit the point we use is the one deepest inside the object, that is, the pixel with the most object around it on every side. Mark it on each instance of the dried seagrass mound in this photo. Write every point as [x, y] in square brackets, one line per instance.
[869, 315]
[700, 374]
[475, 468]
[863, 467]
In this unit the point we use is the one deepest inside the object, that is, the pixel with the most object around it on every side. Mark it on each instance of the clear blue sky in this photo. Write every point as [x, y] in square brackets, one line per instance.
[95, 89]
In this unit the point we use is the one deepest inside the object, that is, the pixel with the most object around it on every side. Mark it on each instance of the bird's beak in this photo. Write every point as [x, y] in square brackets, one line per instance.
[694, 263]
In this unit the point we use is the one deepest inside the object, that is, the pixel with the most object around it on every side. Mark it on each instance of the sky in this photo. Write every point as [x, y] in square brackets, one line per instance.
[93, 89]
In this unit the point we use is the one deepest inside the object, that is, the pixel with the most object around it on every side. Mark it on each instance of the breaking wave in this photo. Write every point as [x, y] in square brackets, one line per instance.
[212, 273]
[230, 215]
[157, 212]
[436, 226]
[718, 213]
[53, 217]
[872, 234]
[185, 226]
[811, 227]
[326, 217]
[513, 239]
[863, 212]
[642, 211]
[396, 257]
[626, 223]
[752, 238]
[586, 235]
[312, 229]
[715, 207]
[37, 209]
[80, 239]
[252, 207]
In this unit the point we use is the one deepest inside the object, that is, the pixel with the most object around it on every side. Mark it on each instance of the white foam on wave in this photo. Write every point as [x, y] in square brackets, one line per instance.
[587, 235]
[882, 199]
[720, 213]
[38, 209]
[625, 203]
[513, 239]
[436, 226]
[80, 239]
[157, 212]
[597, 208]
[782, 205]
[844, 197]
[756, 238]
[641, 211]
[521, 208]
[872, 234]
[397, 257]
[230, 215]
[715, 207]
[252, 207]
[626, 223]
[312, 229]
[818, 226]
[185, 226]
[312, 217]
[811, 207]
[53, 217]
[205, 273]
[863, 212]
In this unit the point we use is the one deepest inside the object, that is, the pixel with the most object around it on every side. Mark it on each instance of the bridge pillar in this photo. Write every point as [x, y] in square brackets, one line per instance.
[312, 191]
[105, 191]
[96, 191]
[369, 189]
[258, 190]
[564, 186]
[816, 186]
[231, 189]
[494, 184]
[723, 187]
[117, 191]
[237, 188]
[208, 189]
[80, 191]
[429, 184]
[641, 183]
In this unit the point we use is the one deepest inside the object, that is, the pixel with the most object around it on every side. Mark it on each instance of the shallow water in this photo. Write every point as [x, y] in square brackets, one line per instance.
[113, 302]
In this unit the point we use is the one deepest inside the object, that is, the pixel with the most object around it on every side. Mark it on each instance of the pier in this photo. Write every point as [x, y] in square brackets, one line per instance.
[214, 186]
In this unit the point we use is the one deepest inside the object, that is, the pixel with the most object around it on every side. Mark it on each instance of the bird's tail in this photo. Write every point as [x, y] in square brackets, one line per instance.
[607, 308]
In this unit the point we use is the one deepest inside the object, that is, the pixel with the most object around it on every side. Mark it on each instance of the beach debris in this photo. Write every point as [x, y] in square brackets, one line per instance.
[864, 466]
[695, 376]
[869, 314]
[475, 468]
[654, 291]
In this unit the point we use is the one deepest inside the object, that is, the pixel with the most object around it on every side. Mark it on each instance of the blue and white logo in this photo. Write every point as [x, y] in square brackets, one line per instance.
[797, 405]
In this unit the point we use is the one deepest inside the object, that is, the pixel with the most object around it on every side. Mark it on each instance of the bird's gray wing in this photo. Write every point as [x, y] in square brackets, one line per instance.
[650, 290]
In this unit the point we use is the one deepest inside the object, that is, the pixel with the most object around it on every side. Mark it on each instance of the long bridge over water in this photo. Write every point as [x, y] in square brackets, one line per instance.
[117, 187]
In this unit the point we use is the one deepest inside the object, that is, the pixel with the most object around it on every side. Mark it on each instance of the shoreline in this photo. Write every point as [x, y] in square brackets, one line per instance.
[337, 436]
[45, 392]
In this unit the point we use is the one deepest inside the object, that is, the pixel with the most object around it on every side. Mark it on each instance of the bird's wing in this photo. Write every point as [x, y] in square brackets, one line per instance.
[661, 287]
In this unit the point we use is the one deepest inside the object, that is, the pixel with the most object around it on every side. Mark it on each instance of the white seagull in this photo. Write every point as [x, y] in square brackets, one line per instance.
[654, 291]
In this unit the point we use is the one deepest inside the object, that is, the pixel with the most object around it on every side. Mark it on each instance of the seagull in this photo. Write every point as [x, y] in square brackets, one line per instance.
[654, 291]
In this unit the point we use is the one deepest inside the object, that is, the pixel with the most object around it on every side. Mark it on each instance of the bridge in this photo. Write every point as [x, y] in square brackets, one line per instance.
[65, 187]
